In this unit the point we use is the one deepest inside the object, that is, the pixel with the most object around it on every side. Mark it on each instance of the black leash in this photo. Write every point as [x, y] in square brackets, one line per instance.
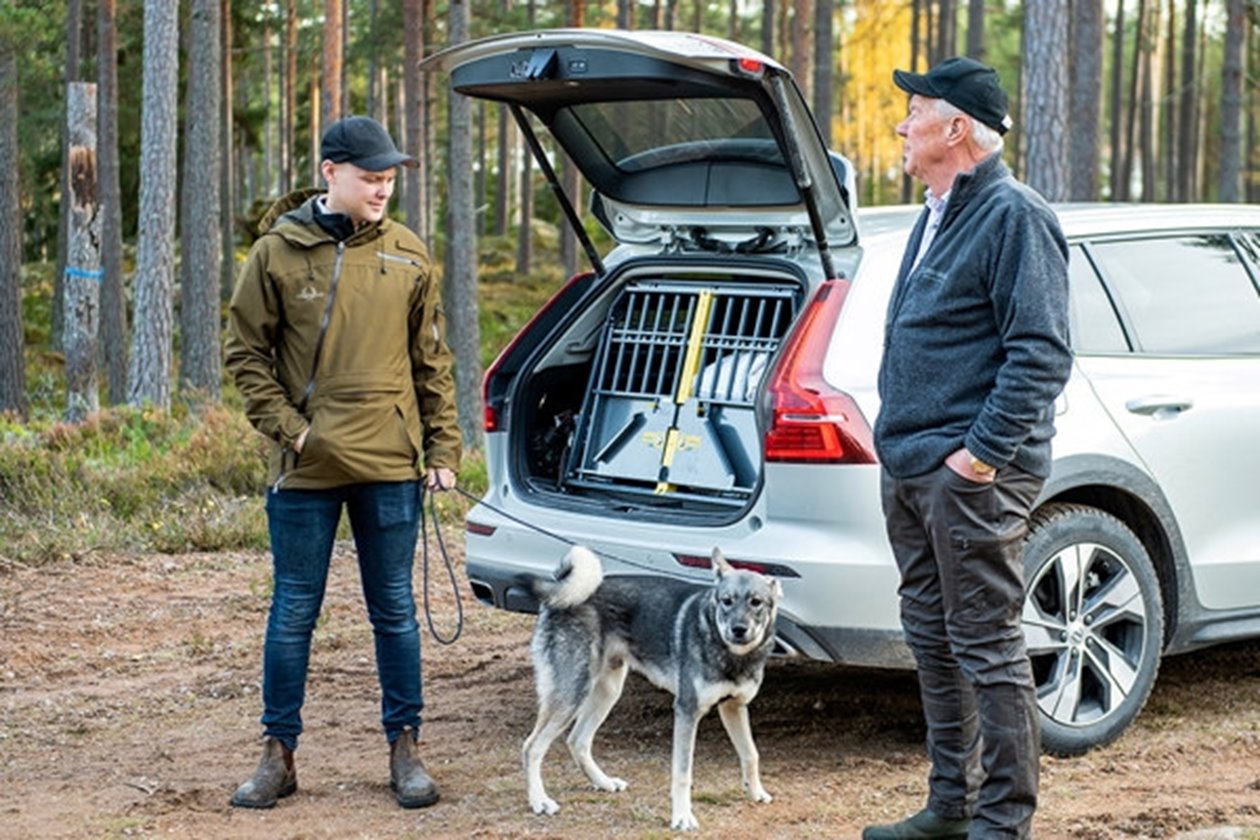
[450, 572]
[643, 566]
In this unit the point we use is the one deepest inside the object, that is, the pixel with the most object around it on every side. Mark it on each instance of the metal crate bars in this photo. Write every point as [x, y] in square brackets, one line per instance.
[669, 408]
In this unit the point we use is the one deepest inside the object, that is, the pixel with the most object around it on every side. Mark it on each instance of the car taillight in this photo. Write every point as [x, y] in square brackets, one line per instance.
[810, 421]
[491, 419]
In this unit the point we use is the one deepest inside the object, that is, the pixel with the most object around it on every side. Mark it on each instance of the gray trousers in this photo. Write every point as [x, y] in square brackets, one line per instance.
[958, 545]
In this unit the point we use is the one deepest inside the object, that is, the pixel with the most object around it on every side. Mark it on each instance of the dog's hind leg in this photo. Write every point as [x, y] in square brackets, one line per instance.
[554, 714]
[734, 714]
[605, 691]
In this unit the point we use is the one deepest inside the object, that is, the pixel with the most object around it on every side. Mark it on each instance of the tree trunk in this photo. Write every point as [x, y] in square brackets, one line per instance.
[768, 15]
[824, 66]
[505, 171]
[83, 256]
[334, 41]
[1135, 93]
[226, 162]
[1118, 191]
[1186, 161]
[149, 377]
[74, 38]
[975, 29]
[1046, 99]
[1085, 91]
[570, 179]
[461, 253]
[113, 337]
[13, 398]
[1166, 103]
[1146, 124]
[201, 235]
[289, 140]
[801, 58]
[946, 29]
[1230, 188]
[414, 205]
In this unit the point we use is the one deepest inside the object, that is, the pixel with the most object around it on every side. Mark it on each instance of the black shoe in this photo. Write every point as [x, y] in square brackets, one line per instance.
[411, 783]
[275, 778]
[922, 825]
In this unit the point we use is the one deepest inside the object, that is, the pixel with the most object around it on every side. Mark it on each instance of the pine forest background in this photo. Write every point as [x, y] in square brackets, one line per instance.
[159, 132]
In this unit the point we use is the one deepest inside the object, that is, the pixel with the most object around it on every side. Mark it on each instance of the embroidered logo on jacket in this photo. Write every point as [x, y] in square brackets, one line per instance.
[309, 293]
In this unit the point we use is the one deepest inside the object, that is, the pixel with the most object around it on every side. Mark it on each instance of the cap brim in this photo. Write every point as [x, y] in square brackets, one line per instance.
[915, 83]
[387, 160]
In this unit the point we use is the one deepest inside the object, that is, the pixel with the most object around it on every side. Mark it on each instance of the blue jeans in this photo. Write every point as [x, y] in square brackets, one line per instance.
[384, 519]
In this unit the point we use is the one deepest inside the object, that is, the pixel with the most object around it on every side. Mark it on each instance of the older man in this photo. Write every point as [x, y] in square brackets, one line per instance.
[975, 355]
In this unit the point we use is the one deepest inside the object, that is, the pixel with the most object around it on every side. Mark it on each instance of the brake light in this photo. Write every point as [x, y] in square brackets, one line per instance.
[750, 67]
[704, 561]
[811, 422]
[491, 419]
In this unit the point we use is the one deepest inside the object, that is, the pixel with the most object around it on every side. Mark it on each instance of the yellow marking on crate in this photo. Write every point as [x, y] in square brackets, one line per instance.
[695, 343]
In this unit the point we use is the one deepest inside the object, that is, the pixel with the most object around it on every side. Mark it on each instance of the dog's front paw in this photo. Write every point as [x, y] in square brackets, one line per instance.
[544, 805]
[611, 784]
[685, 822]
[757, 793]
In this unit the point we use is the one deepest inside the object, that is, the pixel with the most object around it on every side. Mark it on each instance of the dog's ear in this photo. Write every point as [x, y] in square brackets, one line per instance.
[720, 566]
[778, 589]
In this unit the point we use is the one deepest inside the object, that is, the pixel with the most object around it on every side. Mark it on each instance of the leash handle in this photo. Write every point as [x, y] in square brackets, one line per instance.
[450, 572]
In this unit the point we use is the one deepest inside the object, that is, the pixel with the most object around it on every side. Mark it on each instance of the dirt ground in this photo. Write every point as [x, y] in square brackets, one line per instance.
[129, 698]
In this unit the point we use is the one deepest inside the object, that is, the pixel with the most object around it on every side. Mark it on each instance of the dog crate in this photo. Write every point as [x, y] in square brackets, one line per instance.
[669, 408]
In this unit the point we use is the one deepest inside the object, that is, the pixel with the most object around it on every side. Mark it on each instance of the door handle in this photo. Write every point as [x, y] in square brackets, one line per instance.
[1159, 406]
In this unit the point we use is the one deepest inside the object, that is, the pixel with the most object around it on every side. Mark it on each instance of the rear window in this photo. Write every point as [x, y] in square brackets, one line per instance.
[638, 135]
[1185, 295]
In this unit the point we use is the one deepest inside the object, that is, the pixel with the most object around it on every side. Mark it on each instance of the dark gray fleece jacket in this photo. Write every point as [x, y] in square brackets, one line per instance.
[976, 344]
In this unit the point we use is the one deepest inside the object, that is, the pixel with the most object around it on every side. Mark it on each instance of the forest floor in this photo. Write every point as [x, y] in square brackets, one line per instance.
[129, 702]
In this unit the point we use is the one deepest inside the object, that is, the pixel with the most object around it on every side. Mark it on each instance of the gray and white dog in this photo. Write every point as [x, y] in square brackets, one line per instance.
[707, 645]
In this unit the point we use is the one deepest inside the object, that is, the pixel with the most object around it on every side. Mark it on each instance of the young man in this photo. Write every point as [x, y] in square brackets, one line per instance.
[337, 344]
[975, 355]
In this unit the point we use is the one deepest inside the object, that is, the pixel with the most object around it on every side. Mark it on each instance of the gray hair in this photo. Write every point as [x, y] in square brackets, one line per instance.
[982, 135]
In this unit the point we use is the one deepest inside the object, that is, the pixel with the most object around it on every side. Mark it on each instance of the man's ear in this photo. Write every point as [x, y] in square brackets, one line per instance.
[327, 168]
[959, 128]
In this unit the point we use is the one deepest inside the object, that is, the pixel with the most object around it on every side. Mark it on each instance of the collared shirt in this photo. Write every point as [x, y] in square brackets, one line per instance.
[936, 211]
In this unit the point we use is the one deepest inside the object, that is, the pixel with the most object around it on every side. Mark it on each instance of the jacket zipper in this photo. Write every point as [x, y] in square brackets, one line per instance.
[319, 345]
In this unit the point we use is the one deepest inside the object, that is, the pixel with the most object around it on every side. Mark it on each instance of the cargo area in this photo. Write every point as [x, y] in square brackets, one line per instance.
[651, 399]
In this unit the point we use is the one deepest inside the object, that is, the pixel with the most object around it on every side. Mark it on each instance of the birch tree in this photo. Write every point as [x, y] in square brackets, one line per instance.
[149, 374]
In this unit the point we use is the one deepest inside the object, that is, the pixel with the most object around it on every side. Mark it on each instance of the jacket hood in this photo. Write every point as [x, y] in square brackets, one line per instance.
[285, 205]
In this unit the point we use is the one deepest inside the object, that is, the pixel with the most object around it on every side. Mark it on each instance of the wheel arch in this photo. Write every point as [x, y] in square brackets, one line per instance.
[1133, 497]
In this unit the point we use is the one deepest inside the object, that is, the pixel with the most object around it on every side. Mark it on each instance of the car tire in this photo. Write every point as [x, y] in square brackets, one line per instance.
[1094, 624]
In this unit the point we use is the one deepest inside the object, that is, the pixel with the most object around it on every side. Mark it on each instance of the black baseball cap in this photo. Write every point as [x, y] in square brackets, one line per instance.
[365, 143]
[966, 84]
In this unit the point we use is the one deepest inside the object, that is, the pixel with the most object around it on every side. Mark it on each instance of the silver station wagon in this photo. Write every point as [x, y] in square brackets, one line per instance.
[712, 381]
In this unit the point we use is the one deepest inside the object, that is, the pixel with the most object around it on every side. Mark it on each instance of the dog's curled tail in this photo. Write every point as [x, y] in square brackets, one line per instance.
[576, 579]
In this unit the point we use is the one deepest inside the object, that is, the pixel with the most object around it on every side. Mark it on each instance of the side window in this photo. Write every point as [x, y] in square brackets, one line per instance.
[1185, 295]
[1092, 323]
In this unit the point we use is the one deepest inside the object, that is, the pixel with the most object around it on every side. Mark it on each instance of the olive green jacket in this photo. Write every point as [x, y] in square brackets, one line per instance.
[377, 393]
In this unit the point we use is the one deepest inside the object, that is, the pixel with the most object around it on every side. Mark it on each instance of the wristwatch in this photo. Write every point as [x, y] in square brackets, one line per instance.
[981, 468]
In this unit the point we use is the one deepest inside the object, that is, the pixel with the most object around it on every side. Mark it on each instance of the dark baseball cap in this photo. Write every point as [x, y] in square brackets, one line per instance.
[365, 143]
[966, 84]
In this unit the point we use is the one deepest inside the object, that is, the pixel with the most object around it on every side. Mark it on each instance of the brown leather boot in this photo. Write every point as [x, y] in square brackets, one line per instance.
[275, 778]
[412, 785]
